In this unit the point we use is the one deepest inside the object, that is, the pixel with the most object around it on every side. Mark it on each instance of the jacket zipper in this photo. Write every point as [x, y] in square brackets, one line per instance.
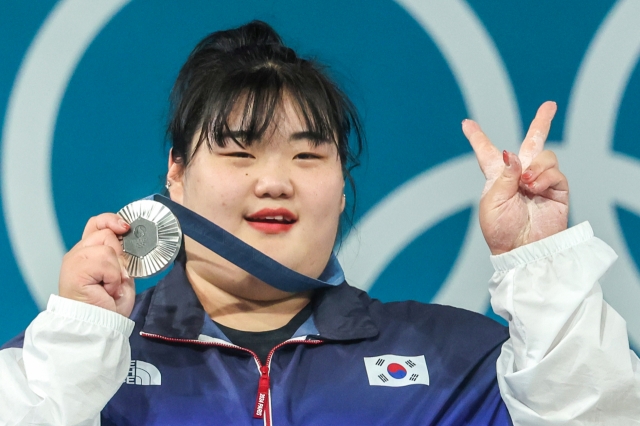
[262, 408]
[263, 399]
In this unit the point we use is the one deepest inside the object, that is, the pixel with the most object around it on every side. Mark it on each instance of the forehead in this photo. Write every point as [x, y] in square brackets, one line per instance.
[286, 115]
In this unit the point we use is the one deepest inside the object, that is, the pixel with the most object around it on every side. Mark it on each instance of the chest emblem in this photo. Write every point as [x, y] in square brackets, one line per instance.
[143, 373]
[396, 371]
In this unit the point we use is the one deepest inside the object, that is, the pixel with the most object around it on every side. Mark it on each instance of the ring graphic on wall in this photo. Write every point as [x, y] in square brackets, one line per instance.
[31, 116]
[599, 178]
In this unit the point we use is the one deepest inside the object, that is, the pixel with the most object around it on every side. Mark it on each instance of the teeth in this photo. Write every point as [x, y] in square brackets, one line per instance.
[276, 218]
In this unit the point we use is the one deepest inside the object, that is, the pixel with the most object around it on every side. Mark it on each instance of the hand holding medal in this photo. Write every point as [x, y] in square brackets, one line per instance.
[93, 270]
[141, 240]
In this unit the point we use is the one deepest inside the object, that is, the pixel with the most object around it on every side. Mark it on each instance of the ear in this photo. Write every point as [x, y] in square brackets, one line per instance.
[343, 201]
[175, 179]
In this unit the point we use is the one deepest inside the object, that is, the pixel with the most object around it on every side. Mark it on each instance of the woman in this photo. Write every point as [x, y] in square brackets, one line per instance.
[261, 148]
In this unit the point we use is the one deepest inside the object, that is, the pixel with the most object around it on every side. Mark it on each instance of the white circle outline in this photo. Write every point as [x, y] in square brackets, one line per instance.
[27, 138]
[490, 99]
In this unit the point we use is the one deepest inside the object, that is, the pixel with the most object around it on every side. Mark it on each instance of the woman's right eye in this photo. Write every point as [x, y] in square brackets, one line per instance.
[239, 154]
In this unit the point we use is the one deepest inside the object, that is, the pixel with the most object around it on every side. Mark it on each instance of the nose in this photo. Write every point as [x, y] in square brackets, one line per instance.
[274, 182]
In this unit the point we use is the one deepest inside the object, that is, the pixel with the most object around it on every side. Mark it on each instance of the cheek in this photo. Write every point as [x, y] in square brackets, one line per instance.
[325, 200]
[215, 195]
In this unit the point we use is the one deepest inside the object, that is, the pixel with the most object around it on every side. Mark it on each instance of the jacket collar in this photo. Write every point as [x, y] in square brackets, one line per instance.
[339, 313]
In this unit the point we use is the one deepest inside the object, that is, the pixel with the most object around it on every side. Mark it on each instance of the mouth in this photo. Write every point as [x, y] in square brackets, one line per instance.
[272, 221]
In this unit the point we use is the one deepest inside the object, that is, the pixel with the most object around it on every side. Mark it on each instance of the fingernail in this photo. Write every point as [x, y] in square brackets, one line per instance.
[469, 126]
[123, 224]
[531, 185]
[120, 293]
[505, 158]
[527, 175]
[125, 274]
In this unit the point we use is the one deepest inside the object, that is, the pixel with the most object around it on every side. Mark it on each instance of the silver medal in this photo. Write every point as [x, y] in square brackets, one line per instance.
[154, 239]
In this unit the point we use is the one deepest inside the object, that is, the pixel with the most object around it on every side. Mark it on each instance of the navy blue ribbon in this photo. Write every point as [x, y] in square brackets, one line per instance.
[246, 257]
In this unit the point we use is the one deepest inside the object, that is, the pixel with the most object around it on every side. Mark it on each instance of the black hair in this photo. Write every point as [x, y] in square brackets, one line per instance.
[251, 65]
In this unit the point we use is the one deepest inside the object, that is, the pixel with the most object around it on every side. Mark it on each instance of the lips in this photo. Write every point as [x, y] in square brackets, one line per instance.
[272, 221]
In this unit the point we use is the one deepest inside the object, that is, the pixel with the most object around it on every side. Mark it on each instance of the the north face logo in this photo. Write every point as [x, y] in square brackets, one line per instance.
[143, 373]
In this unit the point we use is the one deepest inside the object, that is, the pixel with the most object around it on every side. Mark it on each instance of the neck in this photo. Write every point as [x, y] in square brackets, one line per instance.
[249, 305]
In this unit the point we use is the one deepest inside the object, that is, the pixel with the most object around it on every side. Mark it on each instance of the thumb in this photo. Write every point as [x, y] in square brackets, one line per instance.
[506, 184]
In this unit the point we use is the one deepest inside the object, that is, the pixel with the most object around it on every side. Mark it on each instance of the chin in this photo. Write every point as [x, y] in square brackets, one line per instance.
[232, 279]
[285, 253]
[258, 291]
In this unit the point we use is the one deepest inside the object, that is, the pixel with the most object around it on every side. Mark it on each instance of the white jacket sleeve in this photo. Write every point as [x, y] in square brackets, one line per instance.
[74, 359]
[567, 361]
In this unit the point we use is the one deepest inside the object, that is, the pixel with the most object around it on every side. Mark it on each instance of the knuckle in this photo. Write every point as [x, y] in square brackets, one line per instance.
[109, 251]
[106, 264]
[103, 219]
[107, 233]
[105, 252]
[67, 257]
[90, 223]
[548, 155]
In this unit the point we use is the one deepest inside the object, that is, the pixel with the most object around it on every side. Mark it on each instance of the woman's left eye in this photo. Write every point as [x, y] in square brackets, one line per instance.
[307, 156]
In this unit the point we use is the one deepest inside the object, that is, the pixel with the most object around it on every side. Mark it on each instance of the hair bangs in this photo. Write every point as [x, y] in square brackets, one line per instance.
[247, 104]
[241, 108]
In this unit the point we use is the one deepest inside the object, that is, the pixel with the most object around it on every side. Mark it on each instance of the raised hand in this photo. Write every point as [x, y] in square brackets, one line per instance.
[93, 272]
[519, 207]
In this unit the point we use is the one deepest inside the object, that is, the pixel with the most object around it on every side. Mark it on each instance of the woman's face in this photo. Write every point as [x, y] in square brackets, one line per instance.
[282, 195]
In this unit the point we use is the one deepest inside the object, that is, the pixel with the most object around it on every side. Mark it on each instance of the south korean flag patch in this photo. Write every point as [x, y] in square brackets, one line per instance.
[395, 370]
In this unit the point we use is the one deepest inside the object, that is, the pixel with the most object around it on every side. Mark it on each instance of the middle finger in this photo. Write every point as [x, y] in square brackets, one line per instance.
[533, 143]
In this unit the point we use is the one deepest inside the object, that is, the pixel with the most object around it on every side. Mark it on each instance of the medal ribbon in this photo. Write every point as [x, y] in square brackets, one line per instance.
[246, 257]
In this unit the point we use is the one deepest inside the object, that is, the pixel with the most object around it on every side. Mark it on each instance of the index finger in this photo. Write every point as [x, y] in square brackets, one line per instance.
[106, 221]
[486, 153]
[533, 143]
[104, 237]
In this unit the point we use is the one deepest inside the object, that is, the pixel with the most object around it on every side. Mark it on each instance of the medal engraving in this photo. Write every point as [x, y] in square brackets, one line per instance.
[154, 239]
[142, 238]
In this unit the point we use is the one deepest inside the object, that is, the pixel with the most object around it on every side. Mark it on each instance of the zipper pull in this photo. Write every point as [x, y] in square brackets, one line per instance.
[262, 400]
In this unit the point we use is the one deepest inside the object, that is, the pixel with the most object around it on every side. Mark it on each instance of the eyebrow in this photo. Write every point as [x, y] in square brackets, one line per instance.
[239, 135]
[308, 135]
[236, 136]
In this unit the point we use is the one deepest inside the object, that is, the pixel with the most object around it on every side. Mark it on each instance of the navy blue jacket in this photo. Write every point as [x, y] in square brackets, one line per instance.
[321, 381]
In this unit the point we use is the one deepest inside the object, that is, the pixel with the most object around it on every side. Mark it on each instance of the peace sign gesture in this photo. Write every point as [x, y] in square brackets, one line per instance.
[526, 197]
